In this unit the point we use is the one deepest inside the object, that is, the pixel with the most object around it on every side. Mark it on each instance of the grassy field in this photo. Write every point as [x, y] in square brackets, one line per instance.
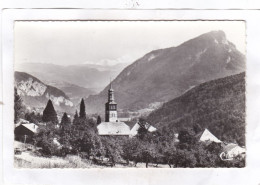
[28, 159]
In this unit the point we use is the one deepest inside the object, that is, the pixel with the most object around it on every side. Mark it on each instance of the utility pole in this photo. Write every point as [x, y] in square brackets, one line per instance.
[25, 136]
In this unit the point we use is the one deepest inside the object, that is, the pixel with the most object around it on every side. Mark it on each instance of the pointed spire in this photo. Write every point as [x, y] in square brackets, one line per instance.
[110, 93]
[110, 83]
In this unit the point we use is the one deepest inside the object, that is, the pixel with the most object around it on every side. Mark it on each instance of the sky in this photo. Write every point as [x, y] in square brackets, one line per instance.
[110, 42]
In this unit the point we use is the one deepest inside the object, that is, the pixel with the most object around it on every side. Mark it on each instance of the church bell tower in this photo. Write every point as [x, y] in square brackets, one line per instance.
[111, 107]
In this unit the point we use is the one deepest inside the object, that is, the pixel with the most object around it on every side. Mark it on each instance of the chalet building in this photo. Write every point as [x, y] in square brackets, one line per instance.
[136, 127]
[207, 137]
[21, 121]
[112, 126]
[231, 151]
[24, 132]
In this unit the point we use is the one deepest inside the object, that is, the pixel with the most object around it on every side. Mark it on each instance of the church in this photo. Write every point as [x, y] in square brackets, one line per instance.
[112, 126]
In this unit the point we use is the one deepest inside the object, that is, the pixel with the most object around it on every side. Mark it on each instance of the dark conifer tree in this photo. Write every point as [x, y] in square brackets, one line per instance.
[82, 112]
[49, 113]
[76, 117]
[98, 120]
[65, 119]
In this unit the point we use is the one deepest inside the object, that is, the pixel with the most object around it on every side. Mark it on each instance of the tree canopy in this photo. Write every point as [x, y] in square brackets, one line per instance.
[65, 119]
[82, 111]
[49, 113]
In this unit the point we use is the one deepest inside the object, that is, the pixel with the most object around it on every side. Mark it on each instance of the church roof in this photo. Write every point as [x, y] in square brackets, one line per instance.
[113, 128]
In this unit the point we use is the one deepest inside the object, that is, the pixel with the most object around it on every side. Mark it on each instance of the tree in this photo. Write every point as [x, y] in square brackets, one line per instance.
[82, 112]
[49, 113]
[65, 120]
[197, 128]
[130, 147]
[148, 153]
[214, 148]
[169, 153]
[33, 117]
[76, 117]
[98, 120]
[44, 139]
[18, 106]
[186, 136]
[143, 130]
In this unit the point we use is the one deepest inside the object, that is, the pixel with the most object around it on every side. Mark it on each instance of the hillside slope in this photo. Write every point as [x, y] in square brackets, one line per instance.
[165, 74]
[218, 105]
[36, 94]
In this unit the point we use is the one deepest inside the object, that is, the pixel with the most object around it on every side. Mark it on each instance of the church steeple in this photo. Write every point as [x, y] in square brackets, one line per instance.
[111, 106]
[111, 97]
[110, 84]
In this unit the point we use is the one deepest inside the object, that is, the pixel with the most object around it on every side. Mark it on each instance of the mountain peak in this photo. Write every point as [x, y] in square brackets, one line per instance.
[215, 37]
[164, 74]
[216, 34]
[218, 37]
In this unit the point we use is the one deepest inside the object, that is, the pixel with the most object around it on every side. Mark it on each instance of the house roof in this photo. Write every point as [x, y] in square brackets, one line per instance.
[135, 128]
[21, 121]
[207, 136]
[31, 126]
[113, 128]
[231, 146]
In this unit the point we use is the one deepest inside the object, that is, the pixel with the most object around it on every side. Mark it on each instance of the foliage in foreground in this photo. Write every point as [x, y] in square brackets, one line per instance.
[79, 137]
[82, 139]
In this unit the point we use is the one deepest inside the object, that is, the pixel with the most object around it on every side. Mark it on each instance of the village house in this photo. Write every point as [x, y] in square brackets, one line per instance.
[25, 131]
[207, 137]
[231, 151]
[136, 127]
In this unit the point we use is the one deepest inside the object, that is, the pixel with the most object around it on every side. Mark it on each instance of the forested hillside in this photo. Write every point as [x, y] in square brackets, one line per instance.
[218, 105]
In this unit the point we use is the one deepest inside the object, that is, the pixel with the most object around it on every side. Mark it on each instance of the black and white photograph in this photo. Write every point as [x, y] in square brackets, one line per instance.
[129, 94]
